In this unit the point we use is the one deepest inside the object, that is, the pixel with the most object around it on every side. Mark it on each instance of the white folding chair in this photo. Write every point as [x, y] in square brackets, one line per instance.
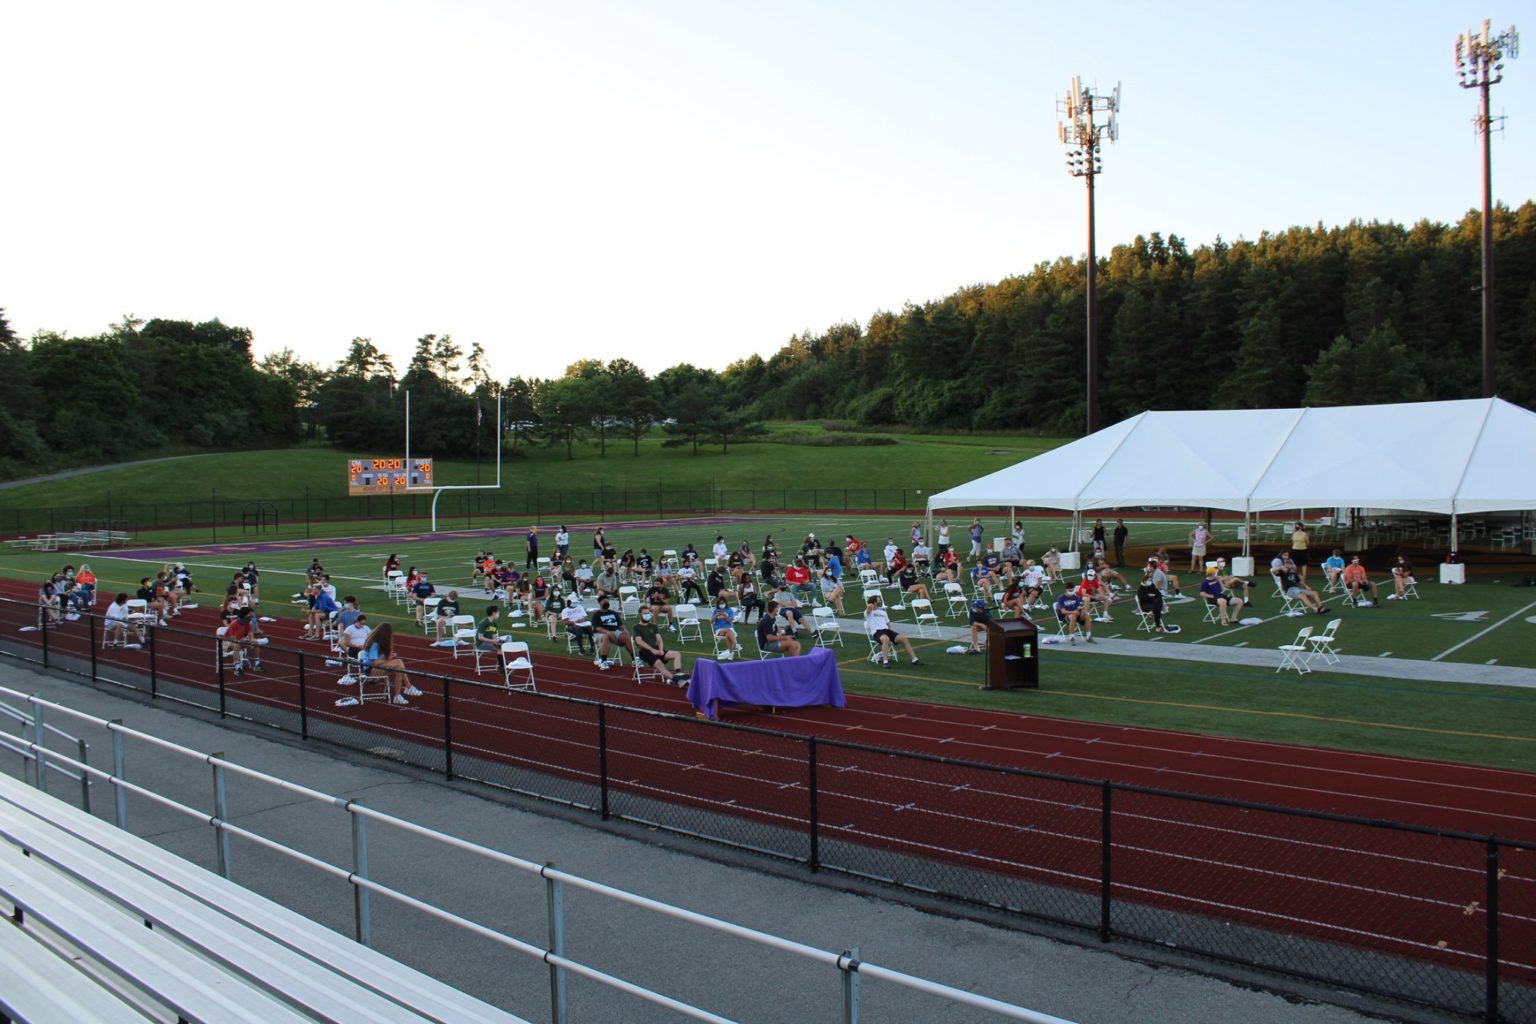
[1145, 622]
[954, 594]
[869, 578]
[464, 632]
[762, 653]
[925, 617]
[1287, 604]
[828, 630]
[1322, 643]
[1212, 613]
[1411, 589]
[515, 658]
[723, 651]
[139, 613]
[429, 615]
[394, 586]
[874, 645]
[1294, 654]
[688, 623]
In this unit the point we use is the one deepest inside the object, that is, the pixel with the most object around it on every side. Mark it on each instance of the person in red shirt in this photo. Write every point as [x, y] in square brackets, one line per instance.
[240, 643]
[798, 576]
[1093, 592]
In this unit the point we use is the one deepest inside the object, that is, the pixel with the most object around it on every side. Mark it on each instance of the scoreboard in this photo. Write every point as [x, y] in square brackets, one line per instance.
[388, 476]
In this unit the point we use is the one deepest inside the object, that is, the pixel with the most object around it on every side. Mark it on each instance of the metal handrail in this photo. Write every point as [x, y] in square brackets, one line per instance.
[846, 962]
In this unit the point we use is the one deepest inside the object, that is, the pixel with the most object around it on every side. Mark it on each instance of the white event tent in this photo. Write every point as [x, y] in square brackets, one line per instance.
[1446, 458]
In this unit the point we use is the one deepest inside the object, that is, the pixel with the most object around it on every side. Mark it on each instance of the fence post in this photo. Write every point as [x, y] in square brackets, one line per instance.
[42, 621]
[90, 625]
[118, 769]
[554, 900]
[848, 963]
[306, 513]
[303, 701]
[39, 751]
[85, 777]
[814, 812]
[447, 729]
[1491, 1001]
[154, 672]
[602, 759]
[1105, 845]
[220, 816]
[362, 910]
[218, 656]
[213, 512]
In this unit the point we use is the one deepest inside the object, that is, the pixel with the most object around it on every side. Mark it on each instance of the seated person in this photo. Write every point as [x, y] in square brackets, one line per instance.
[447, 608]
[419, 594]
[894, 565]
[908, 583]
[768, 573]
[1295, 588]
[1358, 583]
[949, 567]
[116, 626]
[321, 607]
[887, 553]
[877, 623]
[720, 550]
[1094, 592]
[1033, 578]
[391, 564]
[1012, 556]
[354, 638]
[1015, 599]
[574, 616]
[978, 615]
[1234, 583]
[1072, 613]
[1212, 591]
[585, 580]
[650, 649]
[348, 613]
[253, 582]
[862, 560]
[770, 638]
[488, 635]
[723, 624]
[1402, 575]
[607, 582]
[797, 575]
[538, 593]
[86, 579]
[609, 628]
[506, 579]
[660, 601]
[688, 584]
[922, 557]
[146, 593]
[1173, 581]
[715, 586]
[1108, 575]
[1051, 563]
[1149, 598]
[379, 654]
[789, 608]
[831, 589]
[239, 643]
[750, 602]
[1333, 567]
[554, 605]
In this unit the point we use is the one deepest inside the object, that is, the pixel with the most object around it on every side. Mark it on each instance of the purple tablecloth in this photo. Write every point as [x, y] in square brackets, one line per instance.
[777, 682]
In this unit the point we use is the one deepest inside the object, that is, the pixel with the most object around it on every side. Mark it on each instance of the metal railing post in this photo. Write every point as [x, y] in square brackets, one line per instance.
[85, 778]
[1491, 999]
[39, 753]
[362, 910]
[813, 813]
[303, 693]
[218, 657]
[602, 760]
[447, 729]
[554, 900]
[848, 963]
[118, 772]
[42, 620]
[90, 625]
[220, 816]
[1105, 845]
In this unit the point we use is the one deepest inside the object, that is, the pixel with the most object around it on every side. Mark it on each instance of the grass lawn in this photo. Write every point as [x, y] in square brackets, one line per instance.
[1488, 618]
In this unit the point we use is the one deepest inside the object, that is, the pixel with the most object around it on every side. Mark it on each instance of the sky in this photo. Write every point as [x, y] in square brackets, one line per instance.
[681, 180]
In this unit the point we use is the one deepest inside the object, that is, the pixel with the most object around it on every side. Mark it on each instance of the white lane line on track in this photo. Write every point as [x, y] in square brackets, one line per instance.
[1482, 633]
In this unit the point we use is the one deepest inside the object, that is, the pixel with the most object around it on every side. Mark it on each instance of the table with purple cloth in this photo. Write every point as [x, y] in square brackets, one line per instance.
[801, 681]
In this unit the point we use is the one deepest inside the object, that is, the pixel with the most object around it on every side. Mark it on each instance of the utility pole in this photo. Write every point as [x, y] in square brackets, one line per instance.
[1480, 66]
[1079, 130]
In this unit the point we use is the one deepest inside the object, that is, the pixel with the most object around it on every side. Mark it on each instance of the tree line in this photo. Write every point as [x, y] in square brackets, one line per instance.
[1363, 313]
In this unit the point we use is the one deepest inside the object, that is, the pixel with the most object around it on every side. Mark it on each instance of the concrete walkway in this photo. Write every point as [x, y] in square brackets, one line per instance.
[1083, 982]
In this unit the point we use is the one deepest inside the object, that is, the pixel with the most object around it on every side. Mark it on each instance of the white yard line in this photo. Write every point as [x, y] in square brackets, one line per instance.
[1483, 633]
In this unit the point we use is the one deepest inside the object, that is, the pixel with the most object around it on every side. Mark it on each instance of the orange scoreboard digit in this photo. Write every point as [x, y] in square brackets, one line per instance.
[388, 476]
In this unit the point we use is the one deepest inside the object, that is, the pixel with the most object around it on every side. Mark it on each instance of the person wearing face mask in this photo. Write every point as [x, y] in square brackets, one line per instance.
[651, 650]
[723, 623]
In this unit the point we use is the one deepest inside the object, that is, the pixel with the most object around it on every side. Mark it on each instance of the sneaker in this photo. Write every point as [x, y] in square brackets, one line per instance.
[400, 700]
[132, 647]
[1391, 597]
[681, 680]
[256, 666]
[412, 691]
[917, 661]
[1322, 611]
[605, 666]
[347, 702]
[1088, 639]
[346, 680]
[598, 662]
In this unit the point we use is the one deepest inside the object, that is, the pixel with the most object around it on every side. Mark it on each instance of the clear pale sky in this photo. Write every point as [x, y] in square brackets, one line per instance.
[683, 181]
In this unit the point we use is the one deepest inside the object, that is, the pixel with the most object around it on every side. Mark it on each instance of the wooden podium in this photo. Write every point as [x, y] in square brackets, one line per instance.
[1013, 654]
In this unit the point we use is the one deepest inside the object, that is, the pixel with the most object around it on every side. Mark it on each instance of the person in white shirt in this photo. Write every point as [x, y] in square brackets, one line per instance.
[720, 550]
[943, 535]
[562, 542]
[877, 623]
[890, 550]
[116, 625]
[922, 557]
[577, 625]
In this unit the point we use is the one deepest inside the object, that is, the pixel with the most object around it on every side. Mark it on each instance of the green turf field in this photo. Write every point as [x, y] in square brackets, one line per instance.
[1484, 621]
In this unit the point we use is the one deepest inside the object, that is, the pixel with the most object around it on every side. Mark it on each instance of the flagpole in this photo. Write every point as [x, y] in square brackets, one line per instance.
[477, 440]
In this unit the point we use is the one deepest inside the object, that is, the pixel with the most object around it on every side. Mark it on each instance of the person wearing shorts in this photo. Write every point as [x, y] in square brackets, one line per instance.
[768, 636]
[877, 623]
[651, 651]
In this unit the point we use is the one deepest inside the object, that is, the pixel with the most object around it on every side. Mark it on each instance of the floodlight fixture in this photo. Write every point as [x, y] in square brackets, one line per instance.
[1480, 65]
[1089, 119]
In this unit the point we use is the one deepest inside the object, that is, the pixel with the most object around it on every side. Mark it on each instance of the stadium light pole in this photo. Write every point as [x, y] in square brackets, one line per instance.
[1480, 66]
[1079, 130]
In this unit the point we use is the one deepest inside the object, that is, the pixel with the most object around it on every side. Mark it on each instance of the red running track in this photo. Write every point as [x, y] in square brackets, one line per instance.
[1414, 895]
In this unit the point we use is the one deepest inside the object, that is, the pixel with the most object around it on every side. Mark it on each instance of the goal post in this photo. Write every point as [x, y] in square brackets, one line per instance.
[437, 490]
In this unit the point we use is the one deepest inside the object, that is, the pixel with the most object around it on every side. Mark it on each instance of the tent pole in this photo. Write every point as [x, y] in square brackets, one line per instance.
[1454, 533]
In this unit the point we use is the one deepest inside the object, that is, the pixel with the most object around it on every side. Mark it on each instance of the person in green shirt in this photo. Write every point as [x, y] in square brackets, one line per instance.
[447, 608]
[553, 606]
[488, 635]
[651, 649]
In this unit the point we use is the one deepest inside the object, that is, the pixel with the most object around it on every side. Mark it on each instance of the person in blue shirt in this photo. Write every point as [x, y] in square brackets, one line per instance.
[979, 616]
[1333, 567]
[322, 606]
[1072, 612]
[1212, 591]
[419, 594]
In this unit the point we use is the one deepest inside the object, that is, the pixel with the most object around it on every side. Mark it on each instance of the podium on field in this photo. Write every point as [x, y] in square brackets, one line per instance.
[1013, 654]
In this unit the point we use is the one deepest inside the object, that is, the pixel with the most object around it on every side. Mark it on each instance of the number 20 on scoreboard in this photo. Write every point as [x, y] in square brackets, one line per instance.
[386, 476]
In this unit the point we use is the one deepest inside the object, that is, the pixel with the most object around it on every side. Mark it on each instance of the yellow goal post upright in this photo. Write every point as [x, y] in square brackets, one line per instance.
[437, 490]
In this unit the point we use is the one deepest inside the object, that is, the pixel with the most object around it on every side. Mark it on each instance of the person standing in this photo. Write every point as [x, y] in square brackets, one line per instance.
[943, 537]
[977, 533]
[1300, 543]
[562, 542]
[1121, 533]
[1199, 537]
[531, 562]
